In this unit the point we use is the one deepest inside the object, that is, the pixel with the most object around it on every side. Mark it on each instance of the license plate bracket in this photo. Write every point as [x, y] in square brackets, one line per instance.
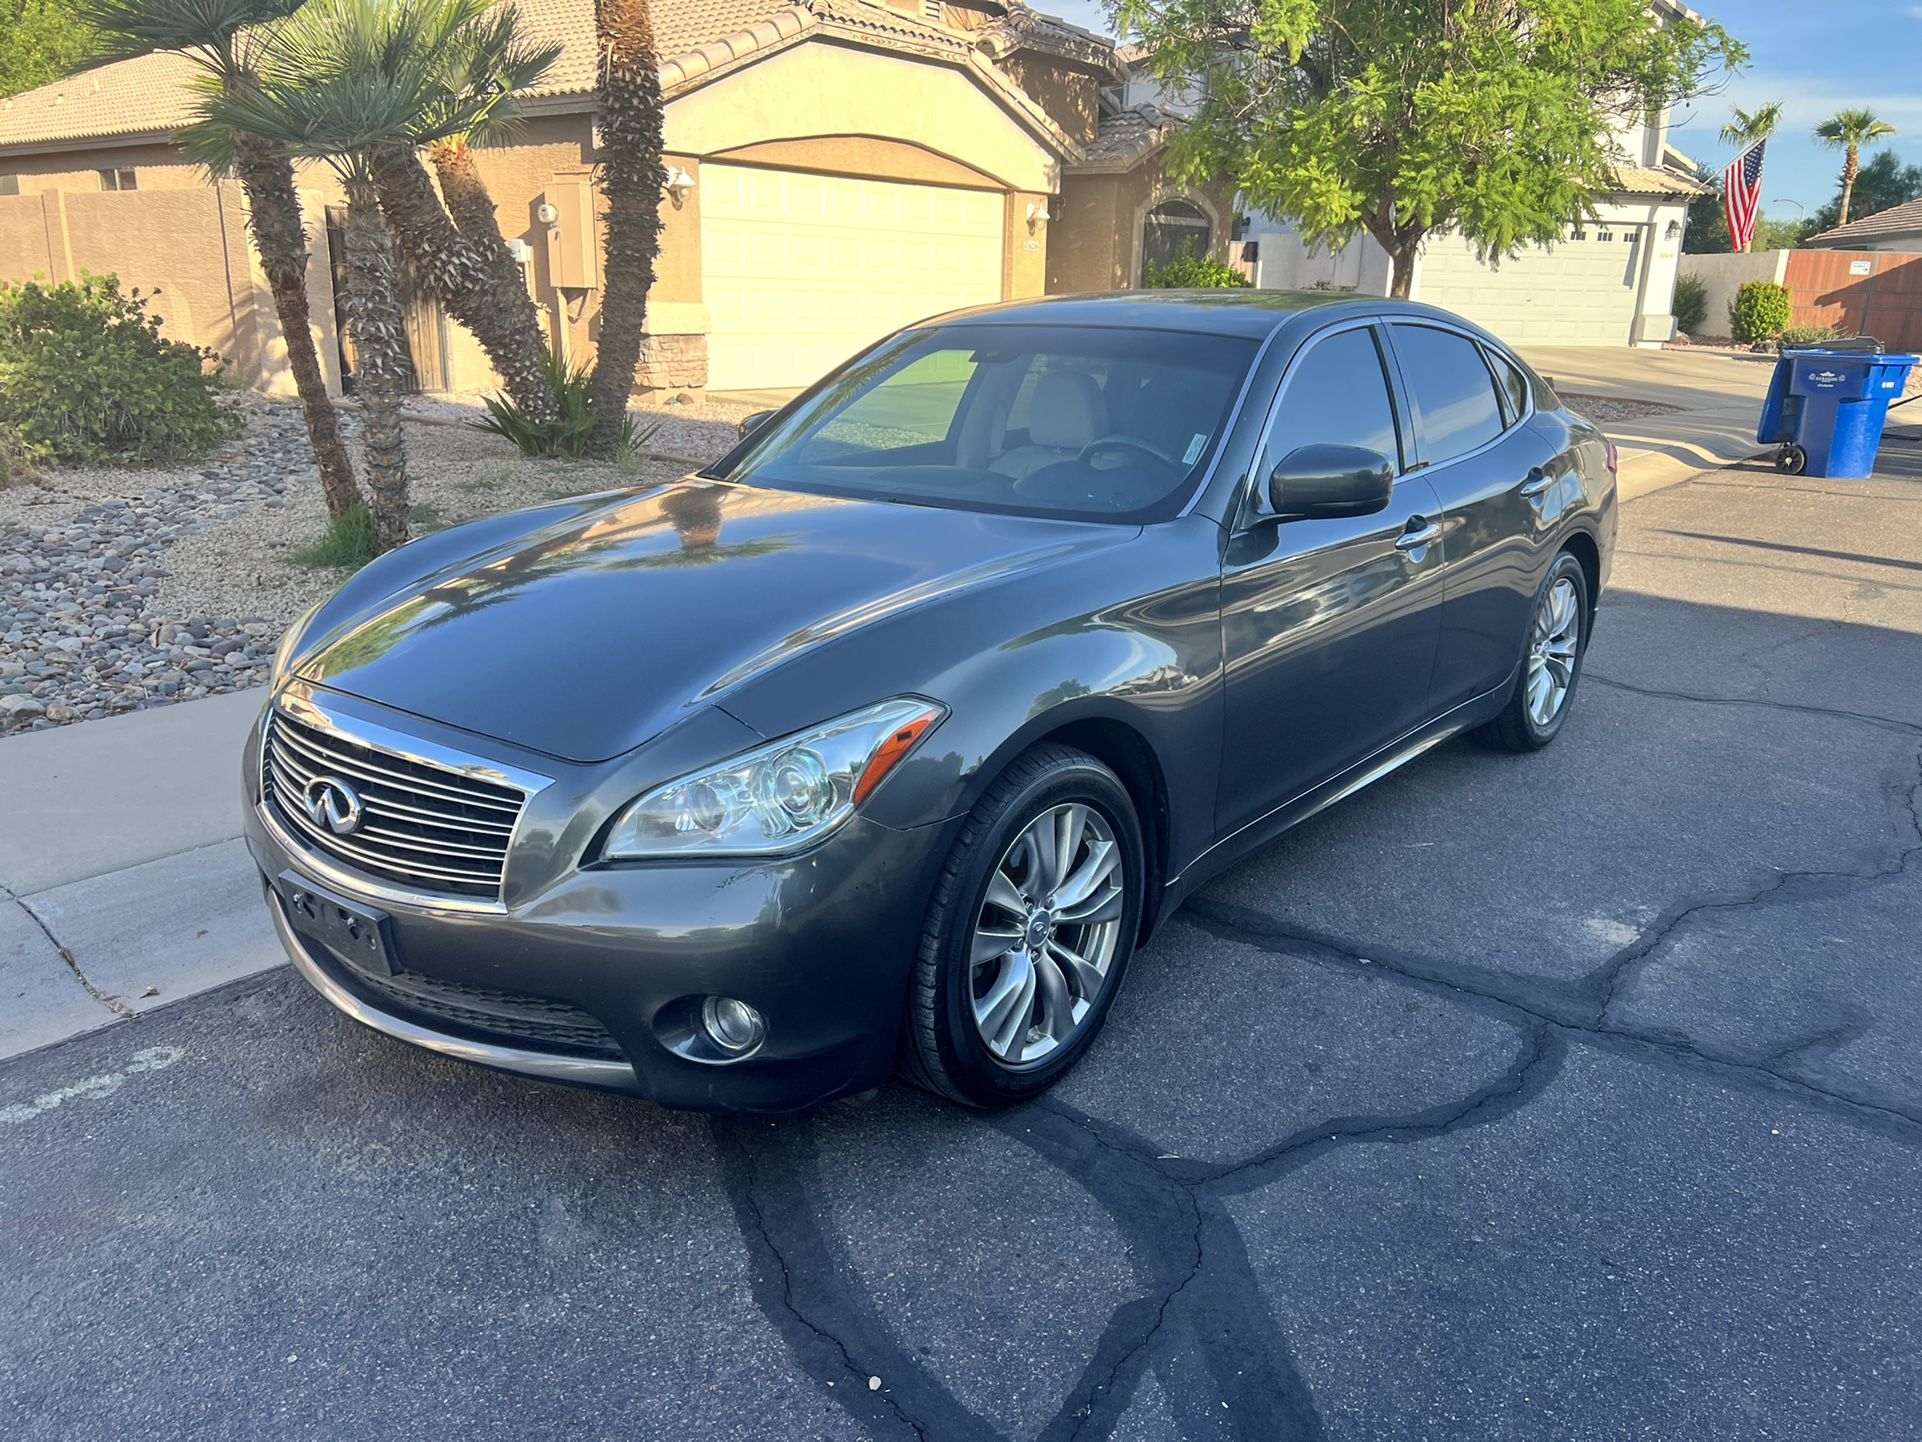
[359, 935]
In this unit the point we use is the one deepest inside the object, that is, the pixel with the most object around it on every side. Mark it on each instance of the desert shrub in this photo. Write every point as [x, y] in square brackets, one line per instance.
[87, 377]
[1192, 272]
[1759, 312]
[567, 437]
[1691, 304]
[1811, 335]
[349, 542]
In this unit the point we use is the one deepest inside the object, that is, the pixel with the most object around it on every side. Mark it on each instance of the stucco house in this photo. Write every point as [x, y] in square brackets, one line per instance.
[1610, 281]
[837, 168]
[1897, 228]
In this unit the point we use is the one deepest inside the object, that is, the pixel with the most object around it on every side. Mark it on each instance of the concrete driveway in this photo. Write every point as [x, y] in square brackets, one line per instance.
[1575, 1096]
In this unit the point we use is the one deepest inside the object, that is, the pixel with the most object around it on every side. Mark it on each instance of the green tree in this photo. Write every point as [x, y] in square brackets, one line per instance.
[1884, 182]
[1749, 126]
[1848, 131]
[629, 111]
[40, 40]
[221, 37]
[1401, 117]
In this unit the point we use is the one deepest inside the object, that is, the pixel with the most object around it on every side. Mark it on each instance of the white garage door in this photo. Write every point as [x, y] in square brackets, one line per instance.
[1580, 293]
[801, 271]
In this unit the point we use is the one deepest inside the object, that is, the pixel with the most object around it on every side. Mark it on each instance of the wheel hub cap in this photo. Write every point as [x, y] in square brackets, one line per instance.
[1047, 933]
[1554, 651]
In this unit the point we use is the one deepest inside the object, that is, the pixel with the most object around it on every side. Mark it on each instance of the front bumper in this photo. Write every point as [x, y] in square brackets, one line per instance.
[820, 943]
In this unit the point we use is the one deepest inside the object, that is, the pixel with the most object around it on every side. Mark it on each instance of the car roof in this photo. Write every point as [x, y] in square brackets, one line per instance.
[1244, 312]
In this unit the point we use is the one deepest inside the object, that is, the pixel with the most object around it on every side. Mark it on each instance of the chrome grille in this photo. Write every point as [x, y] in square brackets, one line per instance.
[425, 826]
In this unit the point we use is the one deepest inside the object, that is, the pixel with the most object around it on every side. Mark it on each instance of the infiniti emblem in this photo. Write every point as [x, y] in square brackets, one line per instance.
[332, 803]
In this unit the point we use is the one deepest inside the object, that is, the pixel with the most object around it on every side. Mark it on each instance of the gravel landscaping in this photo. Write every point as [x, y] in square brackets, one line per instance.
[127, 588]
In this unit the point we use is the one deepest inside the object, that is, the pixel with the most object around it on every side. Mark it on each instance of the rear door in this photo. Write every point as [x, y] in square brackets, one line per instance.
[1329, 627]
[1490, 471]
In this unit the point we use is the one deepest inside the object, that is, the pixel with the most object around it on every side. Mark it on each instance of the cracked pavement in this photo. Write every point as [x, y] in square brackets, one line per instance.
[1572, 1096]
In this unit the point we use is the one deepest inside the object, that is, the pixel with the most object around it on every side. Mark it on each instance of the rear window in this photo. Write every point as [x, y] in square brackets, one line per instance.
[1452, 388]
[1075, 422]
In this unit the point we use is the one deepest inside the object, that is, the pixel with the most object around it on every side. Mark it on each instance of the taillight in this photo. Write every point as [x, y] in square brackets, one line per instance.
[1614, 458]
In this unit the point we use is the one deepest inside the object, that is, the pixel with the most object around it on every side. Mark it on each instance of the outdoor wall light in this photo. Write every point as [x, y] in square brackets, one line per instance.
[679, 183]
[1036, 214]
[1674, 229]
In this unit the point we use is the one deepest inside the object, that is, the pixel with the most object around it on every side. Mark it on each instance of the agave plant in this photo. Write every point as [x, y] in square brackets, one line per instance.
[566, 437]
[222, 38]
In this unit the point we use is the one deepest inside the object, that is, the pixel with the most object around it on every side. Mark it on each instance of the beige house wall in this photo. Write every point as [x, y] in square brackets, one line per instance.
[1096, 242]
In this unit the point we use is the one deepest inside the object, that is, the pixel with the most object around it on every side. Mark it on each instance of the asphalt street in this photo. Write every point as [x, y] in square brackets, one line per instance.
[1574, 1096]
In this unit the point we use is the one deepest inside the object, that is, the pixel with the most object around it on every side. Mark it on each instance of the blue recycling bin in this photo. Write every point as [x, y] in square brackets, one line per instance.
[1826, 408]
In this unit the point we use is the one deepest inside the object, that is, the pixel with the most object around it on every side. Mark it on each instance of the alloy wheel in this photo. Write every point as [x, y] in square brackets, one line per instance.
[1047, 933]
[1553, 650]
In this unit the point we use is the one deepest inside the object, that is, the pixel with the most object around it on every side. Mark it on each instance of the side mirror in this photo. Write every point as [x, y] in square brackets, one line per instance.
[750, 424]
[1319, 481]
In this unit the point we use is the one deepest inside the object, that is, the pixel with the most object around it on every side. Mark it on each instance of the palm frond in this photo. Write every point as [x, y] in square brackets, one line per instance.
[205, 29]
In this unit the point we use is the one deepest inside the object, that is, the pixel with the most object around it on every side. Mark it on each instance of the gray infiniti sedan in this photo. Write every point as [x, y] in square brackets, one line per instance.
[885, 742]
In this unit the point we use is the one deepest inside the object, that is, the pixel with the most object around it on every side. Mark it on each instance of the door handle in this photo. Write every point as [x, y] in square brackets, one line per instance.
[1419, 533]
[1538, 482]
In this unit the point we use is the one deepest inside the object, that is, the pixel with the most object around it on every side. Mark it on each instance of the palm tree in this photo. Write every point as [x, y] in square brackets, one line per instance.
[629, 113]
[1749, 126]
[1848, 131]
[216, 35]
[463, 58]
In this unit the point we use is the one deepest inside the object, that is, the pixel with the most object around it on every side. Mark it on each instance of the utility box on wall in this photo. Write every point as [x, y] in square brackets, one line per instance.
[573, 251]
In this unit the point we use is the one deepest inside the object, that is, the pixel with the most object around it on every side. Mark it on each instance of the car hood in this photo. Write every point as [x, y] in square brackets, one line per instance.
[587, 636]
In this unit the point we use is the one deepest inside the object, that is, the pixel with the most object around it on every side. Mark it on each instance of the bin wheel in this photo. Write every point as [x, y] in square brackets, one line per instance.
[1791, 460]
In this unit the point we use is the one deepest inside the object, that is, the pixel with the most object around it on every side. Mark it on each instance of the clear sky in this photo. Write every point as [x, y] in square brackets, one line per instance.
[1816, 56]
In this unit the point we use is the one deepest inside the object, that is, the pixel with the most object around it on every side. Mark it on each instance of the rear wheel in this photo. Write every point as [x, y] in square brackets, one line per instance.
[1551, 662]
[1029, 933]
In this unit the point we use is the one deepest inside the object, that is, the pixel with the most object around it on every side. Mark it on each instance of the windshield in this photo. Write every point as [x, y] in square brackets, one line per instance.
[1074, 422]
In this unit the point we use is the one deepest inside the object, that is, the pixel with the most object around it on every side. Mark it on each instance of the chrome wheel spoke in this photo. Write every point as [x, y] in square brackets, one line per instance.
[1046, 933]
[1087, 977]
[1102, 859]
[1553, 652]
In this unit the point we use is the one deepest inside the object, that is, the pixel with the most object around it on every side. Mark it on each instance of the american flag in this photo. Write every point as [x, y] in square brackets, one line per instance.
[1742, 194]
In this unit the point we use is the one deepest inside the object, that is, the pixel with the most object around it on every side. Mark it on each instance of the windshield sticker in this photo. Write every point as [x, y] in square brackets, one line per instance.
[1194, 449]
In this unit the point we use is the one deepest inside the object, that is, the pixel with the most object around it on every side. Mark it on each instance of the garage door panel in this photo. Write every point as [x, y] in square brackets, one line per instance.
[802, 271]
[1581, 292]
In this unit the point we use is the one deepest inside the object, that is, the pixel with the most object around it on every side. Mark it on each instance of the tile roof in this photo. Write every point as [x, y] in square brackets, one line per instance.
[1126, 136]
[151, 95]
[1640, 180]
[1896, 220]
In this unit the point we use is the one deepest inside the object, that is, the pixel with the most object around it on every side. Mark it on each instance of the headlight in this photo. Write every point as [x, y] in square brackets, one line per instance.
[776, 798]
[289, 640]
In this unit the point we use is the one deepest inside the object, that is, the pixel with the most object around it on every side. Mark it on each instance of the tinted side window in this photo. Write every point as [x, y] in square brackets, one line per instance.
[1452, 390]
[1338, 396]
[1513, 383]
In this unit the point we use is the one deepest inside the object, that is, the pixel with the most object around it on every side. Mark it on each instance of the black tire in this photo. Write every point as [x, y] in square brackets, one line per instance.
[943, 1049]
[1791, 460]
[1515, 729]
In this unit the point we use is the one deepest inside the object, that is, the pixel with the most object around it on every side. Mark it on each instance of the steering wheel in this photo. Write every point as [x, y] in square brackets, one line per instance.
[1132, 443]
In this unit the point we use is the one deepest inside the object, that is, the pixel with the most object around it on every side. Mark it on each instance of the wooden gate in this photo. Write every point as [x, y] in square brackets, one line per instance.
[1865, 292]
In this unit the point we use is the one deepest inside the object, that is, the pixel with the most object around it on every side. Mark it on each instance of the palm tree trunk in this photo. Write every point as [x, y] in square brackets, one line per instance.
[631, 176]
[1851, 167]
[273, 215]
[378, 328]
[501, 317]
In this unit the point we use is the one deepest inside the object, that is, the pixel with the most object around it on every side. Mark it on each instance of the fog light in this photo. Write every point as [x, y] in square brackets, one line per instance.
[733, 1026]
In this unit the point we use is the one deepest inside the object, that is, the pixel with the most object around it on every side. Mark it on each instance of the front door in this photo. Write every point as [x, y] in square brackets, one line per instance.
[1495, 478]
[1329, 627]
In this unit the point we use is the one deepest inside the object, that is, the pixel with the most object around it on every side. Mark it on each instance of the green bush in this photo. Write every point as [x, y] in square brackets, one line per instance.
[86, 377]
[1811, 335]
[1759, 312]
[349, 542]
[1691, 304]
[1195, 272]
[567, 437]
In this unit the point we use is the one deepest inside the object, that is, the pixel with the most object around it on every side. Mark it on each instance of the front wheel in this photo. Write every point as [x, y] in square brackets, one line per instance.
[1031, 927]
[1551, 662]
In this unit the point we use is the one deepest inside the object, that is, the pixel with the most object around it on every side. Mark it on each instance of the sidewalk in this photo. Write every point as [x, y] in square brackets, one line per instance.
[1718, 396]
[123, 882]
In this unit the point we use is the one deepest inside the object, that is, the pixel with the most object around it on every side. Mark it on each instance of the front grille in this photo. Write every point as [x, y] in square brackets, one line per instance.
[531, 1021]
[425, 826]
